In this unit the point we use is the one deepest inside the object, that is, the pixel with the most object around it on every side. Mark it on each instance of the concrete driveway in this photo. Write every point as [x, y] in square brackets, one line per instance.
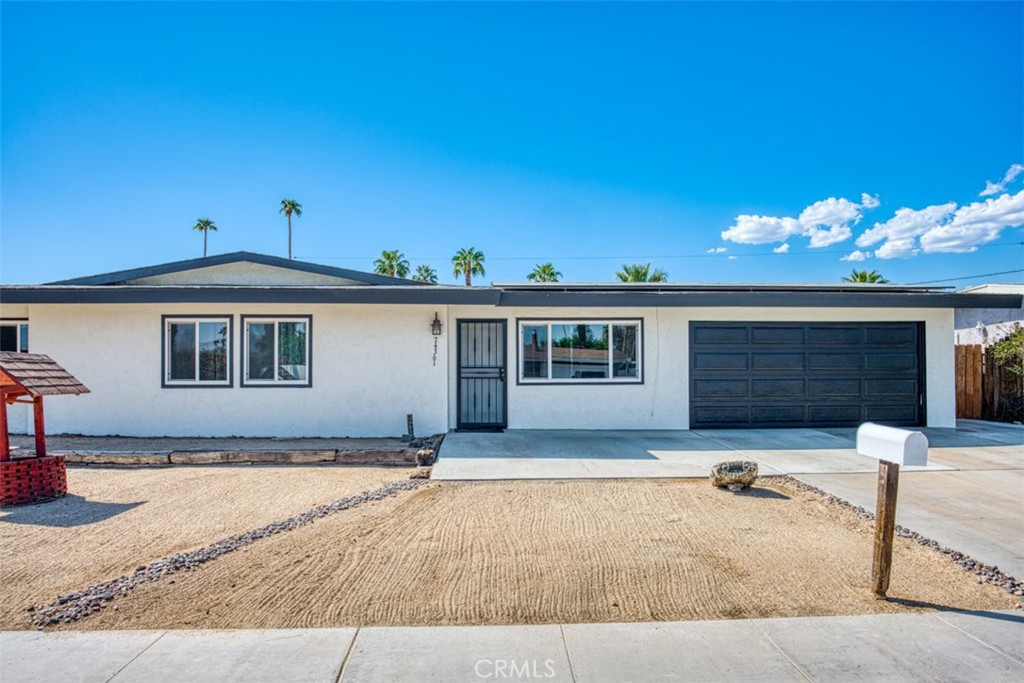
[969, 497]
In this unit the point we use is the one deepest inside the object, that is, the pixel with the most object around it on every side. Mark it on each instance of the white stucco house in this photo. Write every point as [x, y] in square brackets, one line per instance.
[251, 345]
[986, 325]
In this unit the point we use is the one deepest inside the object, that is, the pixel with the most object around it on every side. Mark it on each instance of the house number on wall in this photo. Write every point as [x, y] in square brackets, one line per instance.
[435, 351]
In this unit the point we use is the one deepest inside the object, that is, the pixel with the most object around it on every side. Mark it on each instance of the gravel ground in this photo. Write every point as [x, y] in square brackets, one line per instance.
[115, 520]
[556, 552]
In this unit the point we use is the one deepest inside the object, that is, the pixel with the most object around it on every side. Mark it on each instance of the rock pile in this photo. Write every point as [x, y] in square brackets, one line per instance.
[80, 604]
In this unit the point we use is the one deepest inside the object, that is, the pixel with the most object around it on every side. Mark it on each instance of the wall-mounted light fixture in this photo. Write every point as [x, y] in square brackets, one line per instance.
[435, 326]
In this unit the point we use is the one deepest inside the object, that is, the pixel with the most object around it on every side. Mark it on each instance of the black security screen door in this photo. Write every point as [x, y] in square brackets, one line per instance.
[806, 374]
[482, 375]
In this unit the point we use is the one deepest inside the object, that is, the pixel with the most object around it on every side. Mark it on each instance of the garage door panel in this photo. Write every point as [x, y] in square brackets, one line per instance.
[712, 334]
[892, 336]
[779, 414]
[819, 388]
[839, 334]
[778, 388]
[721, 388]
[718, 416]
[847, 360]
[778, 335]
[778, 361]
[838, 414]
[722, 361]
[889, 387]
[805, 374]
[890, 361]
[890, 413]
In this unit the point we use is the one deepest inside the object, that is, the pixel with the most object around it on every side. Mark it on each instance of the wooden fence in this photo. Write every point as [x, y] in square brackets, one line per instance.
[984, 390]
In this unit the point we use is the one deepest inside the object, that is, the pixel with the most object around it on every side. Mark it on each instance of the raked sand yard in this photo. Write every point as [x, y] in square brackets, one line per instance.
[523, 552]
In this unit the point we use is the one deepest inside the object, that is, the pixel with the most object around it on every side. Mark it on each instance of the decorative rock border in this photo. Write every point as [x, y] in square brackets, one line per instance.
[80, 604]
[985, 573]
[405, 457]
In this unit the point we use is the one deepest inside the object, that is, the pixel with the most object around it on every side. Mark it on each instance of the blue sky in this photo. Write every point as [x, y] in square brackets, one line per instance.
[588, 135]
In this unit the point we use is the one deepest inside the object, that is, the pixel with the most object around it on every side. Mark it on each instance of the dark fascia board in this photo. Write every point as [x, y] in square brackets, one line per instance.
[142, 294]
[492, 296]
[123, 276]
[771, 299]
[712, 287]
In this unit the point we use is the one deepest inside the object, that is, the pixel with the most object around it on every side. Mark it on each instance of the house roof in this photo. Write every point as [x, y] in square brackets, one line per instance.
[123, 277]
[138, 286]
[37, 375]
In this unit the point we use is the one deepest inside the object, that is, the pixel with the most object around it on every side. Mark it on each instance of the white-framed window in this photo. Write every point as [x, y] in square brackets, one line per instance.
[276, 351]
[580, 351]
[14, 336]
[197, 351]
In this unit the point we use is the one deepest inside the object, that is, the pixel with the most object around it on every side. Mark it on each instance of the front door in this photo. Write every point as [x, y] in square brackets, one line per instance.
[481, 388]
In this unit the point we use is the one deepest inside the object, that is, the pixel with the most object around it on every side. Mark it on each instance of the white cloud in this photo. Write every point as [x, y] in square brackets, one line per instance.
[907, 223]
[857, 255]
[761, 229]
[781, 249]
[718, 250]
[1010, 175]
[825, 222]
[733, 258]
[975, 224]
[898, 248]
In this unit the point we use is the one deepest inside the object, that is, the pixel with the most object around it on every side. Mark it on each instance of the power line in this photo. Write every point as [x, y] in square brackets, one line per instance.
[627, 258]
[967, 277]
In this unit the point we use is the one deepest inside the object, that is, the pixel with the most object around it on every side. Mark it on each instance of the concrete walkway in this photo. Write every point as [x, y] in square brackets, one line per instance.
[571, 454]
[941, 646]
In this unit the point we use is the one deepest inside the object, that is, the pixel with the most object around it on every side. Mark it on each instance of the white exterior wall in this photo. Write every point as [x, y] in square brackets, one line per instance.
[663, 400]
[371, 365]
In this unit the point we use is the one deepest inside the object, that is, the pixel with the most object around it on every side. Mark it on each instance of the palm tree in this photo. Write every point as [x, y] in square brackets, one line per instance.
[391, 263]
[204, 225]
[870, 277]
[544, 272]
[425, 273]
[288, 207]
[641, 272]
[468, 262]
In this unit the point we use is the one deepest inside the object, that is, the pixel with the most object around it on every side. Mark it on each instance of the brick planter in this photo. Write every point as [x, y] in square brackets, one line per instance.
[31, 480]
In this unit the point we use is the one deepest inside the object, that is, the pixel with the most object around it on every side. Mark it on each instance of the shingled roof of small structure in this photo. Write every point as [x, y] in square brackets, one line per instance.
[37, 374]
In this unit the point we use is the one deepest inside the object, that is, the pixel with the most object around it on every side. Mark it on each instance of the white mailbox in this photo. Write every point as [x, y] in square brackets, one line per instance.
[900, 446]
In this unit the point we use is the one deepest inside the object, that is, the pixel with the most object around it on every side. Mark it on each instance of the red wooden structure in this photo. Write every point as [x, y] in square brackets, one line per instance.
[27, 378]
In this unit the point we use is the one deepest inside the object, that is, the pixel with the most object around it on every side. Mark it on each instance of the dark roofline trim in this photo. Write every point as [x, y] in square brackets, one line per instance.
[492, 296]
[121, 277]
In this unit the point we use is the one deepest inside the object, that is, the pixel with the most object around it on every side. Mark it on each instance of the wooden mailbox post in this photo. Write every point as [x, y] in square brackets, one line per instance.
[892, 447]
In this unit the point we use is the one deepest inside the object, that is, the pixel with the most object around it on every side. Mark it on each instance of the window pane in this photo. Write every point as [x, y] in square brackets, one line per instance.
[579, 351]
[624, 351]
[182, 351]
[291, 351]
[535, 351]
[213, 351]
[24, 338]
[260, 349]
[8, 338]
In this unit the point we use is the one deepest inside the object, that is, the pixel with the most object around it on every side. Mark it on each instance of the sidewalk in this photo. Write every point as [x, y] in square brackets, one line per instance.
[937, 646]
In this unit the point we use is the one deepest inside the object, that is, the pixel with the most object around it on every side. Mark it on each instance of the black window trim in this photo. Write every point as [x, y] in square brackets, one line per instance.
[195, 384]
[243, 344]
[598, 319]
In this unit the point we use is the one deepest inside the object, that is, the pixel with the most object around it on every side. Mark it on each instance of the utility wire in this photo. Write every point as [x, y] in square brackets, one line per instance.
[967, 277]
[626, 258]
